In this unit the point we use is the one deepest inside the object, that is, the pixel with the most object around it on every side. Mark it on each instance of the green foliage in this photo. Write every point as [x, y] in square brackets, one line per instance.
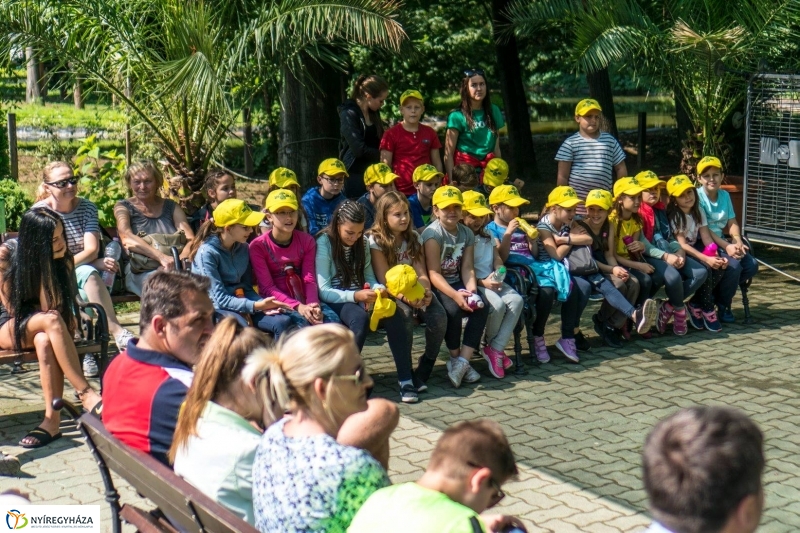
[17, 202]
[5, 164]
[101, 178]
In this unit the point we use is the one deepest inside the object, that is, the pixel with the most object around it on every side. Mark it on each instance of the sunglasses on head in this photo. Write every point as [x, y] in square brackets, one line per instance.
[358, 377]
[60, 184]
[470, 72]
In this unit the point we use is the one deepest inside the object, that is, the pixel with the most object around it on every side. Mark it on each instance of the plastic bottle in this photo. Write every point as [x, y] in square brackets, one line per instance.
[529, 230]
[498, 275]
[628, 239]
[294, 283]
[711, 250]
[660, 242]
[474, 301]
[113, 251]
[239, 293]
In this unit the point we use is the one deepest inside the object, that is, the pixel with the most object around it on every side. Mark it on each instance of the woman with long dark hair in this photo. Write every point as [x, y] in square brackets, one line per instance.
[472, 128]
[37, 291]
[361, 129]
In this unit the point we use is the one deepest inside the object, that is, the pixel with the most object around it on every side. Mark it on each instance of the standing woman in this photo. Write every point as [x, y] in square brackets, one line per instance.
[146, 212]
[472, 128]
[362, 130]
[59, 192]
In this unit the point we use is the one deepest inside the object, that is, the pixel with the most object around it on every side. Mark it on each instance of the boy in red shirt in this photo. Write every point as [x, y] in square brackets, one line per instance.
[409, 144]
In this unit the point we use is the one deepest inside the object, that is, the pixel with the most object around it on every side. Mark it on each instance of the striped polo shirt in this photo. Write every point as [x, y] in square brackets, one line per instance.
[593, 162]
[81, 220]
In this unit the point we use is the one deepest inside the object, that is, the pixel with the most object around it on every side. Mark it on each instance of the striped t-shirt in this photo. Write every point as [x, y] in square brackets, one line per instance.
[83, 219]
[593, 162]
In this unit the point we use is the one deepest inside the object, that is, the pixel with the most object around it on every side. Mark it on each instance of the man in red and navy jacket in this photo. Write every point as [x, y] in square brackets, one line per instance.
[144, 386]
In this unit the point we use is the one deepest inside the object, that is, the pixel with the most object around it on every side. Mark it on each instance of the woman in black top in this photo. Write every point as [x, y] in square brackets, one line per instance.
[361, 130]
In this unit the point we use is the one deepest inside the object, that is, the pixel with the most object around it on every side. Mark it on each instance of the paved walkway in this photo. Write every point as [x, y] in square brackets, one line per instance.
[577, 430]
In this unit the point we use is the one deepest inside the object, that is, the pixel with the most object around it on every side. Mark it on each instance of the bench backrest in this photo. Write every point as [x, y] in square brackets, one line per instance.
[185, 506]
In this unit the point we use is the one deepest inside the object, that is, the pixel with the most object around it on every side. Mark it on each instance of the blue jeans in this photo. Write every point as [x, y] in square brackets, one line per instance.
[274, 324]
[679, 284]
[612, 296]
[738, 271]
[328, 317]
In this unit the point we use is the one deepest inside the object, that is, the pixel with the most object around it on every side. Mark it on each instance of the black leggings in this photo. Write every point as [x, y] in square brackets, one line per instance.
[475, 324]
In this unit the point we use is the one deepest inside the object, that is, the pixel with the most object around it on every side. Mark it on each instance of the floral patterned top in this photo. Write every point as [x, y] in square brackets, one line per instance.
[310, 483]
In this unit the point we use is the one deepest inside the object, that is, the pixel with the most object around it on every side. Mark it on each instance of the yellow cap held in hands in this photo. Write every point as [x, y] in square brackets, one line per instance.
[384, 308]
[402, 279]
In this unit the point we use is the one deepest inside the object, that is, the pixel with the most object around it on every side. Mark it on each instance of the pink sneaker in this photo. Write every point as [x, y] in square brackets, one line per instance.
[568, 348]
[665, 313]
[679, 326]
[495, 360]
[507, 363]
[540, 349]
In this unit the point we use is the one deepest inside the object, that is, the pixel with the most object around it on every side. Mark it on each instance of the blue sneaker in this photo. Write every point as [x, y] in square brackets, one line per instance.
[711, 322]
[725, 315]
[695, 316]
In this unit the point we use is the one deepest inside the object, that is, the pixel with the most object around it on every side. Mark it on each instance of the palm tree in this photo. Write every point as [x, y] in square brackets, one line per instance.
[185, 69]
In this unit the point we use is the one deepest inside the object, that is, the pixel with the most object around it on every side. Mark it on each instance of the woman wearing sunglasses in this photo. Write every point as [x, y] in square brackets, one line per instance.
[304, 478]
[472, 128]
[59, 192]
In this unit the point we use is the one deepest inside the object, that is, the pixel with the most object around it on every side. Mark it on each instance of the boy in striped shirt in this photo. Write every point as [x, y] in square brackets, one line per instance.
[589, 159]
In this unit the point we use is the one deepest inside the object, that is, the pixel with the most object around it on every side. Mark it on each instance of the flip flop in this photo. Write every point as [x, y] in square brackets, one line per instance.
[42, 436]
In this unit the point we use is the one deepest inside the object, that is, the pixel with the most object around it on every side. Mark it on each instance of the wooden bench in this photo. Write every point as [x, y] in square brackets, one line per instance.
[180, 506]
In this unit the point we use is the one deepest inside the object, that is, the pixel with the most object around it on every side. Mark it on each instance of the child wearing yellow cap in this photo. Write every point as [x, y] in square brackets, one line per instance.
[218, 186]
[590, 158]
[718, 208]
[690, 227]
[393, 241]
[219, 251]
[379, 179]
[320, 202]
[505, 302]
[285, 178]
[427, 179]
[495, 175]
[410, 143]
[449, 253]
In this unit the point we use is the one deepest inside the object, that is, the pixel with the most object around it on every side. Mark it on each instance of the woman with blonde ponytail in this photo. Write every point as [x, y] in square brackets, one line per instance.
[217, 433]
[303, 479]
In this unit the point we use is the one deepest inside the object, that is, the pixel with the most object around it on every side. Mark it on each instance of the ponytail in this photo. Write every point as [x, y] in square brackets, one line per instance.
[372, 85]
[208, 229]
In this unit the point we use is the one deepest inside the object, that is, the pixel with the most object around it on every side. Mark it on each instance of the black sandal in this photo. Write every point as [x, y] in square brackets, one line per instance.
[42, 436]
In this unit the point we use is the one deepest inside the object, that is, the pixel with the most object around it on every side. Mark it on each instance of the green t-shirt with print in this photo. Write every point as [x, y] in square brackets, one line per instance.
[480, 140]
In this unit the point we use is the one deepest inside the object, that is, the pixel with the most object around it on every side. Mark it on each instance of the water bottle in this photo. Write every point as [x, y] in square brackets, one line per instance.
[529, 230]
[711, 250]
[367, 305]
[498, 275]
[114, 251]
[628, 239]
[294, 283]
[660, 242]
[474, 301]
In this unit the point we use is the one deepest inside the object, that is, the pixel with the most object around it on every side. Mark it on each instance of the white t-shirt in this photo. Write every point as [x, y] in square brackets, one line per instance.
[484, 256]
[403, 257]
[692, 229]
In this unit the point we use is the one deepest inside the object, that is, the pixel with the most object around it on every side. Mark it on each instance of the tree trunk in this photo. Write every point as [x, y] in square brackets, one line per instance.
[600, 89]
[33, 93]
[77, 93]
[309, 123]
[248, 141]
[521, 157]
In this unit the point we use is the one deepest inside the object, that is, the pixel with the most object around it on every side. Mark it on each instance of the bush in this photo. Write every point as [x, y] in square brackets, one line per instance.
[17, 202]
[101, 177]
[5, 162]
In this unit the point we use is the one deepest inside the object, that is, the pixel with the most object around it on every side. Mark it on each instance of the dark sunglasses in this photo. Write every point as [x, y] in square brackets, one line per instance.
[60, 184]
[498, 492]
[470, 72]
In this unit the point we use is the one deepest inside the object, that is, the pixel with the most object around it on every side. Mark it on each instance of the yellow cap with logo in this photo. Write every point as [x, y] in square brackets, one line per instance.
[402, 279]
[425, 172]
[475, 204]
[283, 177]
[280, 198]
[506, 194]
[563, 196]
[411, 93]
[708, 161]
[600, 198]
[332, 167]
[232, 211]
[379, 173]
[586, 105]
[382, 308]
[628, 186]
[496, 172]
[447, 195]
[648, 179]
[677, 185]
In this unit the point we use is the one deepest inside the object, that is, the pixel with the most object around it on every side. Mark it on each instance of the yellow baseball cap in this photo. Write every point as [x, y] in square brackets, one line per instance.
[648, 179]
[379, 173]
[411, 93]
[496, 172]
[447, 195]
[599, 197]
[677, 185]
[232, 211]
[629, 186]
[475, 204]
[586, 105]
[708, 161]
[332, 167]
[402, 279]
[283, 177]
[563, 196]
[280, 198]
[382, 308]
[506, 194]
[425, 172]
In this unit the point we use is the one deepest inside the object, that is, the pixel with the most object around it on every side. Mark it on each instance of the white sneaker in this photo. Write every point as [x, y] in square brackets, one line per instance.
[472, 375]
[456, 368]
[123, 338]
[90, 368]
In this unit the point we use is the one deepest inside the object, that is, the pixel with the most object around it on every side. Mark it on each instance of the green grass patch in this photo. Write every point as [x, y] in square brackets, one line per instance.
[127, 307]
[58, 115]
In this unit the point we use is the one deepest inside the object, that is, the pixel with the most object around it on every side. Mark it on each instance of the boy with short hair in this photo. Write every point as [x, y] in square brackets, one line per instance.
[716, 204]
[427, 179]
[379, 179]
[589, 159]
[409, 144]
[505, 201]
[320, 202]
[470, 463]
[464, 177]
[702, 470]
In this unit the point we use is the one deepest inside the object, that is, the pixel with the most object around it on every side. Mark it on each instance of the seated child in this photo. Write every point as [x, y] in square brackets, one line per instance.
[409, 143]
[284, 178]
[464, 177]
[717, 206]
[319, 203]
[218, 186]
[379, 179]
[506, 304]
[495, 175]
[426, 180]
